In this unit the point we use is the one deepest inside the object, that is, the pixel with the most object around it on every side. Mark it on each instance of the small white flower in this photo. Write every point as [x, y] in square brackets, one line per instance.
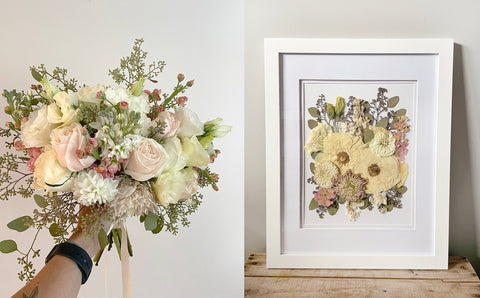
[380, 198]
[91, 188]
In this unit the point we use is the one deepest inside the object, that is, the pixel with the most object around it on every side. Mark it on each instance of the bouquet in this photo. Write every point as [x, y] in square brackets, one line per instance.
[123, 150]
[358, 151]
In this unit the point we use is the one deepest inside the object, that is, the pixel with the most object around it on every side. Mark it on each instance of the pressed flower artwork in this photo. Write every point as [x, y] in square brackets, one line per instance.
[356, 149]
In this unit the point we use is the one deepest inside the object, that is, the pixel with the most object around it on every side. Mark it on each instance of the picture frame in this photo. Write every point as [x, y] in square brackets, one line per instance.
[297, 70]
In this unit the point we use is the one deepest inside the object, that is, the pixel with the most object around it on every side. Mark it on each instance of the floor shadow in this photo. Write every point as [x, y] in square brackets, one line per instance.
[463, 240]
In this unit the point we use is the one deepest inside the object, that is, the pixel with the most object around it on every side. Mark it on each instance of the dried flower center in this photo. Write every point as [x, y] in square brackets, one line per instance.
[343, 158]
[373, 170]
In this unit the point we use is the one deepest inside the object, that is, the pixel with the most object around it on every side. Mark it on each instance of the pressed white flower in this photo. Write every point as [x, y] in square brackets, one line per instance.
[91, 188]
[351, 207]
[383, 143]
[379, 198]
[315, 139]
[325, 173]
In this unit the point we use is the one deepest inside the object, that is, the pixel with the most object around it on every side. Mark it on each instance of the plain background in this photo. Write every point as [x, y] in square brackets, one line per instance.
[201, 39]
[372, 19]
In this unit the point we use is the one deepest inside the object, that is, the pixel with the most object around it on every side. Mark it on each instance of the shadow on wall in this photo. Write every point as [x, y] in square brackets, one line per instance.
[463, 241]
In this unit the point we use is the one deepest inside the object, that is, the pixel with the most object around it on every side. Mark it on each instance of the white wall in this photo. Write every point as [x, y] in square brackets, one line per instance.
[372, 19]
[203, 40]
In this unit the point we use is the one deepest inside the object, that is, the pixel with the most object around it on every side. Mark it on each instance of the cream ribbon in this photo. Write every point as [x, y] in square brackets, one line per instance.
[127, 285]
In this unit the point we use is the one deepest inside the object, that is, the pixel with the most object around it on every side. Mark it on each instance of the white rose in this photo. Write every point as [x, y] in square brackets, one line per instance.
[36, 131]
[49, 171]
[135, 103]
[89, 94]
[194, 153]
[146, 160]
[63, 111]
[190, 124]
[176, 161]
[172, 187]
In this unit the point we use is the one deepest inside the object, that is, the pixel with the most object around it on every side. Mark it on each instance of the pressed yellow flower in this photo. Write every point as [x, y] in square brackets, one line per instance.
[339, 147]
[325, 172]
[403, 167]
[315, 140]
[382, 172]
[383, 143]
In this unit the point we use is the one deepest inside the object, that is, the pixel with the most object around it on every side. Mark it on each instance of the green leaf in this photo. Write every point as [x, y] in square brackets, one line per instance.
[330, 111]
[389, 207]
[383, 123]
[41, 202]
[341, 200]
[21, 224]
[392, 102]
[368, 136]
[314, 155]
[402, 189]
[55, 230]
[365, 203]
[150, 221]
[102, 239]
[137, 87]
[339, 104]
[312, 168]
[312, 124]
[313, 205]
[313, 112]
[332, 210]
[400, 112]
[369, 117]
[36, 75]
[159, 227]
[142, 218]
[8, 246]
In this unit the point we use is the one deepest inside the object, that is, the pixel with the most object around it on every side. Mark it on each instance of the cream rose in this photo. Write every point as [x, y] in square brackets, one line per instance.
[68, 142]
[63, 111]
[49, 174]
[172, 187]
[146, 160]
[190, 124]
[176, 161]
[171, 124]
[194, 153]
[36, 131]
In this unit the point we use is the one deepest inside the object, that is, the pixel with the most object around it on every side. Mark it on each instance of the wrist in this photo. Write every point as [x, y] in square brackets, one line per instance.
[89, 243]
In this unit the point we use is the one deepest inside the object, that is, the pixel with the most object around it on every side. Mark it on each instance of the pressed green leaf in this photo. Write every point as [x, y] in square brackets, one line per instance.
[21, 224]
[313, 112]
[402, 189]
[55, 230]
[41, 202]
[392, 102]
[150, 221]
[312, 168]
[383, 122]
[314, 154]
[102, 238]
[159, 227]
[8, 246]
[341, 200]
[339, 104]
[401, 112]
[36, 75]
[312, 124]
[369, 117]
[330, 111]
[332, 210]
[368, 136]
[313, 205]
[365, 203]
[389, 207]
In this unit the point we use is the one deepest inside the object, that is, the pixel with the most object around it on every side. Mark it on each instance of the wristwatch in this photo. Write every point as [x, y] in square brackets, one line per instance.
[75, 253]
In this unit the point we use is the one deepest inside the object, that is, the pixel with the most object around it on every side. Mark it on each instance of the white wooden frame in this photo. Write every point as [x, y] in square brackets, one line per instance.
[274, 48]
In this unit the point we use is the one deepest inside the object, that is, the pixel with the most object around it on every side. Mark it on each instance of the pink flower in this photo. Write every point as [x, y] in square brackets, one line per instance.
[146, 160]
[69, 144]
[19, 146]
[123, 105]
[401, 149]
[324, 196]
[171, 123]
[34, 153]
[93, 142]
[181, 100]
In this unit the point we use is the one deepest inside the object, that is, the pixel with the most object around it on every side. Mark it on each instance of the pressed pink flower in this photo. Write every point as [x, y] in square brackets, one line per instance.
[350, 187]
[324, 196]
[401, 149]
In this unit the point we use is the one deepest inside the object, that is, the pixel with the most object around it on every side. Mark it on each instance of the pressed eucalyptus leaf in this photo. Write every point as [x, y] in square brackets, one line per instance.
[402, 189]
[332, 210]
[389, 207]
[392, 102]
[383, 122]
[312, 124]
[312, 168]
[313, 204]
[368, 136]
[401, 112]
[341, 200]
[369, 117]
[313, 112]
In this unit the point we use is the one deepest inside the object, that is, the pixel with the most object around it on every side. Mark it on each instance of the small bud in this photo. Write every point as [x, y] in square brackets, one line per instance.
[180, 77]
[93, 142]
[181, 100]
[99, 94]
[123, 105]
[24, 120]
[190, 83]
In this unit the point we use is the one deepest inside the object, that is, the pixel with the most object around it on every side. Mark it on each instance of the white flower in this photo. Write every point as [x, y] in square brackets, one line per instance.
[121, 150]
[325, 172]
[176, 160]
[379, 198]
[135, 103]
[63, 111]
[36, 131]
[315, 139]
[190, 124]
[194, 153]
[383, 143]
[172, 187]
[49, 174]
[89, 94]
[91, 188]
[351, 207]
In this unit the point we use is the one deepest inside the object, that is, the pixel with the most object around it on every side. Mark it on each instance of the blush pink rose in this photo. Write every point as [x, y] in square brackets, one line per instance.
[68, 142]
[146, 161]
[171, 124]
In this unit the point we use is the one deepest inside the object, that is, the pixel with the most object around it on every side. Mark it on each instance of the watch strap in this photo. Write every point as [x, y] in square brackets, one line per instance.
[75, 253]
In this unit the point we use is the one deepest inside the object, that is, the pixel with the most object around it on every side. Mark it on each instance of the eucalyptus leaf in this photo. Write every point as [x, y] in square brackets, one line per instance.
[366, 201]
[313, 205]
[341, 200]
[21, 224]
[159, 227]
[330, 111]
[41, 202]
[368, 136]
[402, 189]
[312, 124]
[383, 123]
[312, 168]
[389, 207]
[392, 102]
[401, 112]
[102, 238]
[150, 221]
[313, 112]
[142, 218]
[332, 210]
[55, 230]
[8, 246]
